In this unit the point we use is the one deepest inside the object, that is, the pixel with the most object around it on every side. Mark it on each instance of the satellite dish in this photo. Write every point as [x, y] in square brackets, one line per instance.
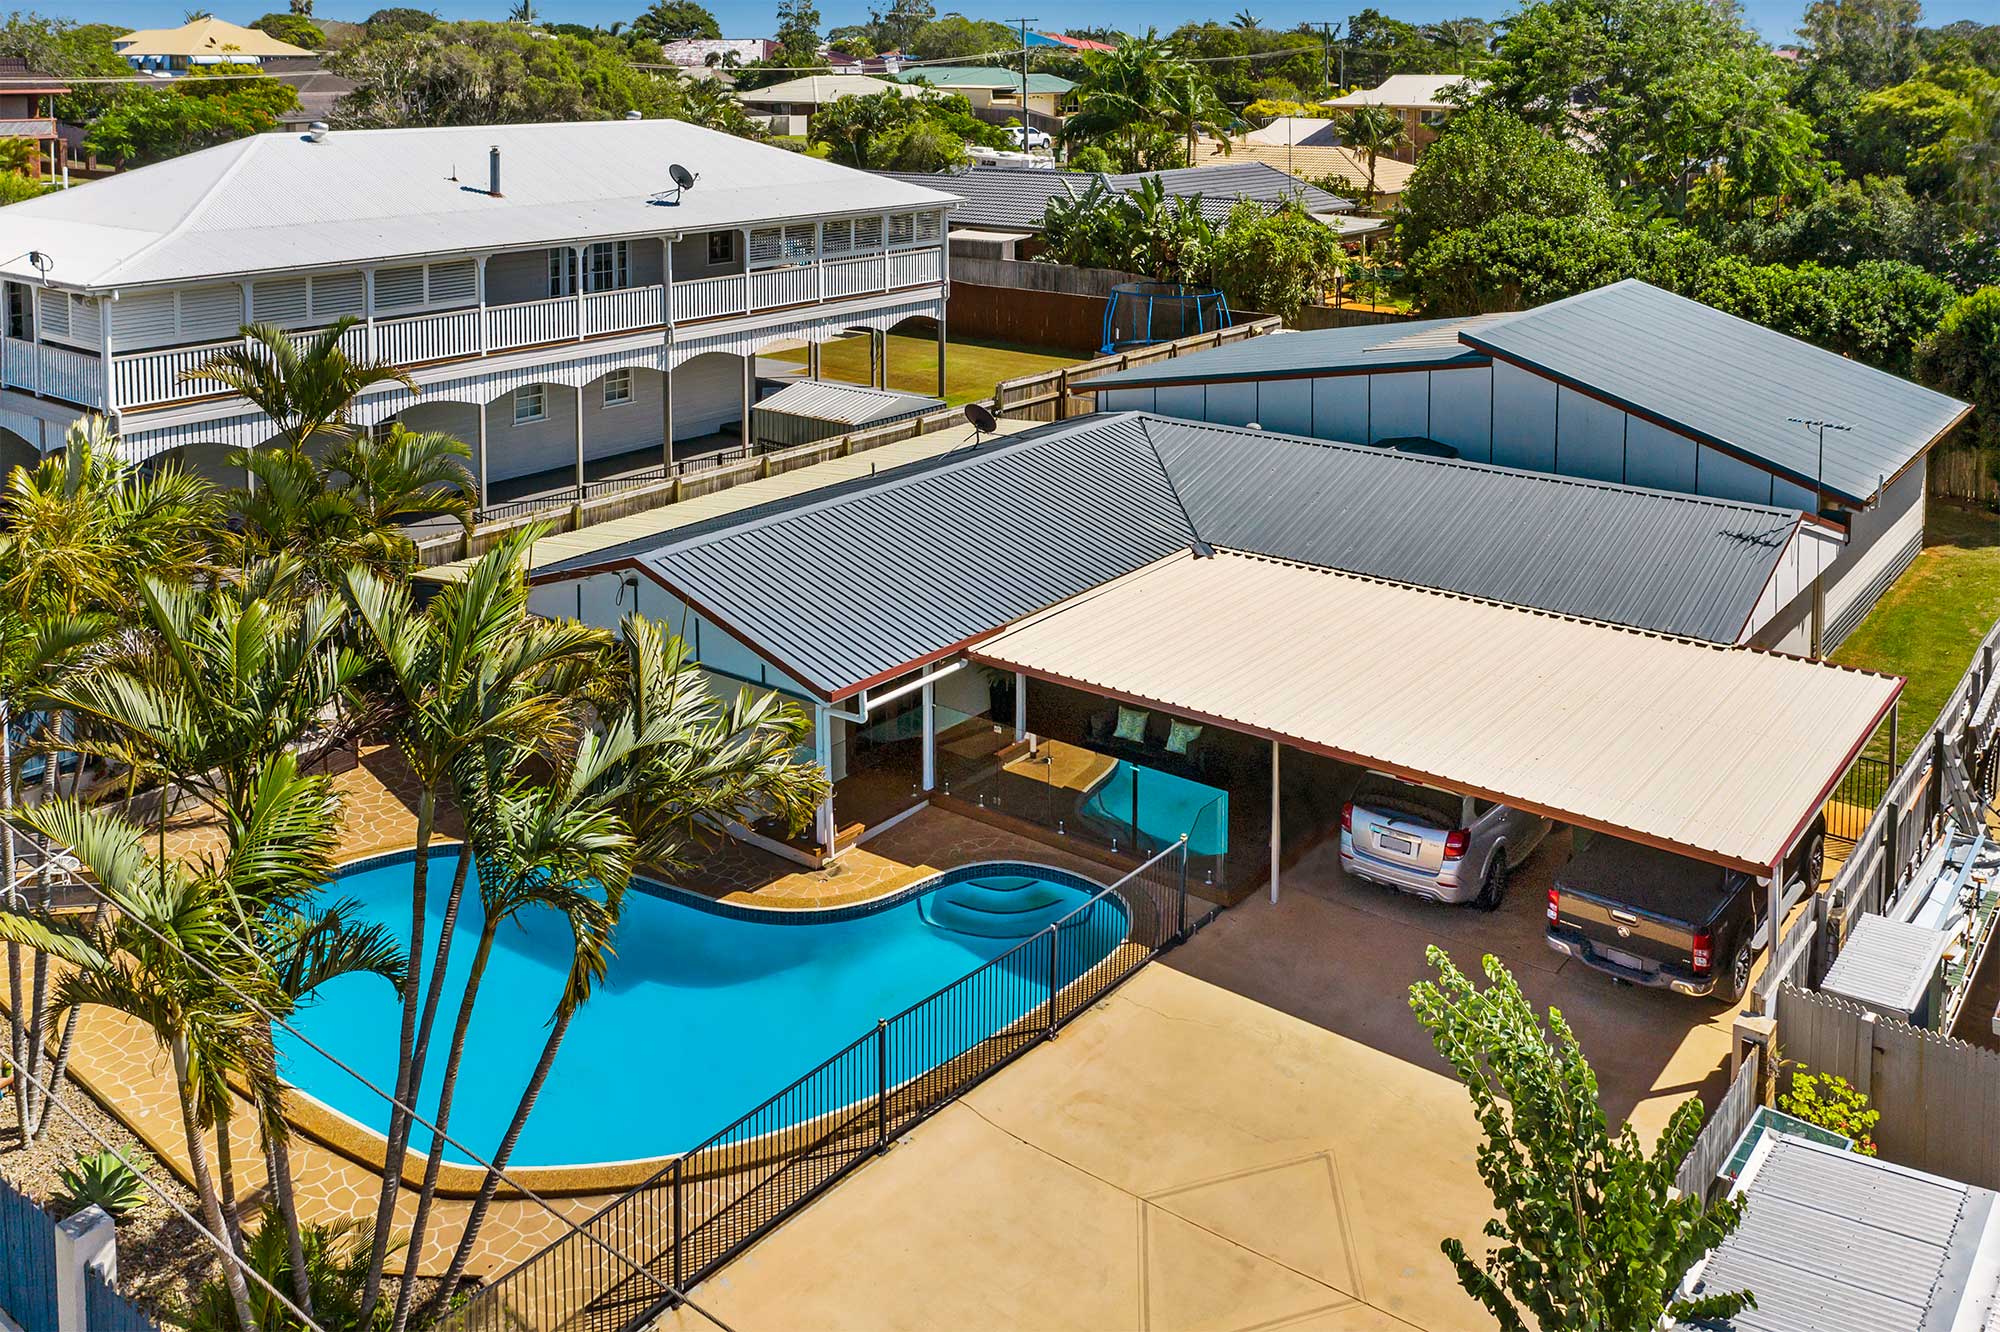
[683, 181]
[979, 418]
[681, 176]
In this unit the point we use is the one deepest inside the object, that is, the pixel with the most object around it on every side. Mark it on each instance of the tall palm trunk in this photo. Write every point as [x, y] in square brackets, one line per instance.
[447, 1089]
[39, 1090]
[278, 1168]
[225, 1173]
[491, 1184]
[399, 1119]
[204, 1183]
[16, 1019]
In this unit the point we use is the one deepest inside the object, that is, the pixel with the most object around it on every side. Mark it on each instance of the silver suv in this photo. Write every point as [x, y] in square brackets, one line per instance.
[1435, 844]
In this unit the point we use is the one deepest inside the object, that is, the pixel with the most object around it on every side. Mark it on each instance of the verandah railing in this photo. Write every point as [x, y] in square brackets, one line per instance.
[717, 1199]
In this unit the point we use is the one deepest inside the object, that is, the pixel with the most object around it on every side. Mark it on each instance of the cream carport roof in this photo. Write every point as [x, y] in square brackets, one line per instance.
[207, 35]
[1720, 753]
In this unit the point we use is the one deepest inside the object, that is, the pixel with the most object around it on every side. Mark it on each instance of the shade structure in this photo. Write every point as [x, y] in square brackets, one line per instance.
[1724, 754]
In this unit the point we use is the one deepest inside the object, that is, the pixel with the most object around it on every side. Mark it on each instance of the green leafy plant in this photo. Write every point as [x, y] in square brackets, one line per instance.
[1832, 1102]
[108, 1179]
[336, 1268]
[1590, 1232]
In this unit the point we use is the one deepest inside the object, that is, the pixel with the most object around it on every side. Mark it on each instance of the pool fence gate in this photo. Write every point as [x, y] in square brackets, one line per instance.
[61, 1276]
[633, 1259]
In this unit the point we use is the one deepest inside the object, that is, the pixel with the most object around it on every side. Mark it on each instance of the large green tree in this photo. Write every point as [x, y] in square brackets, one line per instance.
[675, 21]
[1962, 358]
[1489, 162]
[1872, 42]
[153, 124]
[1590, 1232]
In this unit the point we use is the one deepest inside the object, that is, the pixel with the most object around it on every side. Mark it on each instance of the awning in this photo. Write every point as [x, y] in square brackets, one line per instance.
[1724, 754]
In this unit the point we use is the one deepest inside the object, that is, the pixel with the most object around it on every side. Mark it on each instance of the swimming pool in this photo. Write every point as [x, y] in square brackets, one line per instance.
[704, 1013]
[1167, 805]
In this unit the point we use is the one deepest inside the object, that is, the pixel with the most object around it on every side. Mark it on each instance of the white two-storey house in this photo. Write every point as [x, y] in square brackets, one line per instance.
[581, 303]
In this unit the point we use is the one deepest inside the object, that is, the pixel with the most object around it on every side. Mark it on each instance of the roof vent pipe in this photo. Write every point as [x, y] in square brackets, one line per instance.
[316, 132]
[635, 115]
[493, 171]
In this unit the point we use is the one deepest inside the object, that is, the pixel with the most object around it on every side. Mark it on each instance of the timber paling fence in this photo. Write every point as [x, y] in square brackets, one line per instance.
[714, 1201]
[1040, 397]
[1697, 1175]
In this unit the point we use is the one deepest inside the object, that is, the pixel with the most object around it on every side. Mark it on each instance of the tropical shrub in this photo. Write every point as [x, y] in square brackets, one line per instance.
[1962, 358]
[336, 1261]
[108, 1179]
[1831, 1102]
[1487, 164]
[1274, 262]
[1516, 261]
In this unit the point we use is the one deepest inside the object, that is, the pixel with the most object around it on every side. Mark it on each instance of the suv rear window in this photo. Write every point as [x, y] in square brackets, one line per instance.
[1423, 802]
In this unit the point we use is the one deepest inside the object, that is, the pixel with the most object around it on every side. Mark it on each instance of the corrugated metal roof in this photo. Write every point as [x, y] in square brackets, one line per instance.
[1832, 1241]
[1720, 752]
[1312, 161]
[276, 201]
[1018, 198]
[984, 76]
[1729, 381]
[819, 89]
[1676, 564]
[848, 404]
[1423, 91]
[1421, 344]
[1887, 964]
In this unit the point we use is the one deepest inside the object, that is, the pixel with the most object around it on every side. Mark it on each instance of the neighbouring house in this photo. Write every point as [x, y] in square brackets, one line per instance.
[1012, 201]
[996, 94]
[564, 305]
[1032, 625]
[1833, 1239]
[1424, 101]
[1627, 383]
[712, 52]
[847, 62]
[27, 111]
[319, 90]
[1294, 146]
[200, 42]
[1081, 45]
[788, 107]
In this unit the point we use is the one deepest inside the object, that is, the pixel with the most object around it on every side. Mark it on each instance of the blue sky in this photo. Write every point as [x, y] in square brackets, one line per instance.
[748, 18]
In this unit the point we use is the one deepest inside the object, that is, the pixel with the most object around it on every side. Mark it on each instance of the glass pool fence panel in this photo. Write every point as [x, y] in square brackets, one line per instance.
[620, 1269]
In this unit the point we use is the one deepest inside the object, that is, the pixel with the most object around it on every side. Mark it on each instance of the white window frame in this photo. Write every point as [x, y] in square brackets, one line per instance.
[538, 395]
[728, 249]
[613, 259]
[562, 271]
[622, 381]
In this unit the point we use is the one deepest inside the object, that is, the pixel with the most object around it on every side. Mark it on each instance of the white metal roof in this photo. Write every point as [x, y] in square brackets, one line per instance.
[278, 201]
[1720, 753]
[820, 89]
[1422, 91]
[845, 404]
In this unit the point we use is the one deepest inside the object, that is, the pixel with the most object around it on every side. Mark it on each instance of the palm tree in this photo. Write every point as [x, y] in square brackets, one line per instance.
[1121, 94]
[1190, 106]
[156, 959]
[305, 391]
[1245, 21]
[470, 668]
[1377, 131]
[17, 155]
[673, 764]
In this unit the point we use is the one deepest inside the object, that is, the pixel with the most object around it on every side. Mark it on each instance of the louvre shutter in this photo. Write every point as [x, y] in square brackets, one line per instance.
[837, 237]
[280, 301]
[867, 233]
[766, 246]
[338, 294]
[52, 308]
[799, 243]
[927, 226]
[145, 320]
[209, 314]
[83, 317]
[399, 288]
[455, 283]
[901, 227]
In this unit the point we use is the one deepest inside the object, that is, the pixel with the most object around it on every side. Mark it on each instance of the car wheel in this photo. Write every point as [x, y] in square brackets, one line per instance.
[1739, 974]
[1493, 888]
[1812, 860]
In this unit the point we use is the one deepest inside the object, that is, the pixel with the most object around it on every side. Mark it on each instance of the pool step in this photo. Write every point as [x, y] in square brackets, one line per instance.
[1000, 907]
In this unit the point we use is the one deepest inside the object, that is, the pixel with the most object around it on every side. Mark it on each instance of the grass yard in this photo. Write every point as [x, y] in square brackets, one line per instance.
[1926, 627]
[971, 370]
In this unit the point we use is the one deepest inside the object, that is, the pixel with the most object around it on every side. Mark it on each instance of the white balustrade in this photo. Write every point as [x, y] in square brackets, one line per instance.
[618, 311]
[73, 376]
[854, 277]
[431, 337]
[914, 268]
[530, 322]
[143, 378]
[706, 298]
[773, 287]
[17, 364]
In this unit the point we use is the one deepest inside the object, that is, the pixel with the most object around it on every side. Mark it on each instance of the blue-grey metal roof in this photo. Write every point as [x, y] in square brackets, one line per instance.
[1015, 199]
[1832, 1241]
[1730, 382]
[1677, 564]
[1420, 345]
[855, 583]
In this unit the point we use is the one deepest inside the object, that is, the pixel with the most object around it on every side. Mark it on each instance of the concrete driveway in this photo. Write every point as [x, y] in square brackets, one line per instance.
[1252, 1135]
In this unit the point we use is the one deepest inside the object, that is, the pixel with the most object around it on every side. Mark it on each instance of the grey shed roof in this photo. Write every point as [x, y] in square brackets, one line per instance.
[1886, 964]
[1730, 382]
[846, 404]
[1015, 198]
[1832, 1241]
[1424, 344]
[853, 584]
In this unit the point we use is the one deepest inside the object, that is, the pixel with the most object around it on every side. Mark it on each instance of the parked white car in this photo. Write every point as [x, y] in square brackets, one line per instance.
[1026, 136]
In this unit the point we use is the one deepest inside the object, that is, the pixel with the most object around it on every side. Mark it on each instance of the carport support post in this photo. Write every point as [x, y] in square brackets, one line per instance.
[930, 735]
[484, 499]
[940, 349]
[1276, 831]
[1777, 916]
[812, 360]
[1020, 706]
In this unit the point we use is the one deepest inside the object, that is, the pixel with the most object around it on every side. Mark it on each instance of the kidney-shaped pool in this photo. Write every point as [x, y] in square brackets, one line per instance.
[705, 1012]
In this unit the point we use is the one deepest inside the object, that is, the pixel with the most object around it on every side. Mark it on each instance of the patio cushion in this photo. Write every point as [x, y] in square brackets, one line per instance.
[1132, 724]
[1181, 735]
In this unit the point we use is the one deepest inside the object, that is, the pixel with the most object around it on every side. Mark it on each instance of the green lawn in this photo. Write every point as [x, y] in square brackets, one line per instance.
[972, 368]
[1926, 627]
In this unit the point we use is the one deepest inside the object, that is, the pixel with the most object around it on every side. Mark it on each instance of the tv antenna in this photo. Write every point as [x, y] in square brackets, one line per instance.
[683, 181]
[1820, 428]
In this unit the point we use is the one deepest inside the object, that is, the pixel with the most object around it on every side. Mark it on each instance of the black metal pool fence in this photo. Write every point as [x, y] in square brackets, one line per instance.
[622, 1267]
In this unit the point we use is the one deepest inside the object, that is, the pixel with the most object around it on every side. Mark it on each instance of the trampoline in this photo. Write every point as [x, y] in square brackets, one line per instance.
[1141, 313]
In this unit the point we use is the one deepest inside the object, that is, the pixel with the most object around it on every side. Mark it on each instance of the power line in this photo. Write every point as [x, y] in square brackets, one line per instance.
[228, 1253]
[103, 895]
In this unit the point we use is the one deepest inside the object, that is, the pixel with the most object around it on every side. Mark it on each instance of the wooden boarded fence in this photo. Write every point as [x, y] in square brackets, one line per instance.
[1939, 1097]
[1698, 1173]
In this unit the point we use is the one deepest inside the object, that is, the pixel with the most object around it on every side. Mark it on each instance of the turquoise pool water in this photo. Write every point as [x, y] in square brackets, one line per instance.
[701, 1018]
[1167, 806]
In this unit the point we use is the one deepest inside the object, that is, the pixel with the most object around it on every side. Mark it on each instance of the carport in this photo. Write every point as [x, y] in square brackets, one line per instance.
[1722, 754]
